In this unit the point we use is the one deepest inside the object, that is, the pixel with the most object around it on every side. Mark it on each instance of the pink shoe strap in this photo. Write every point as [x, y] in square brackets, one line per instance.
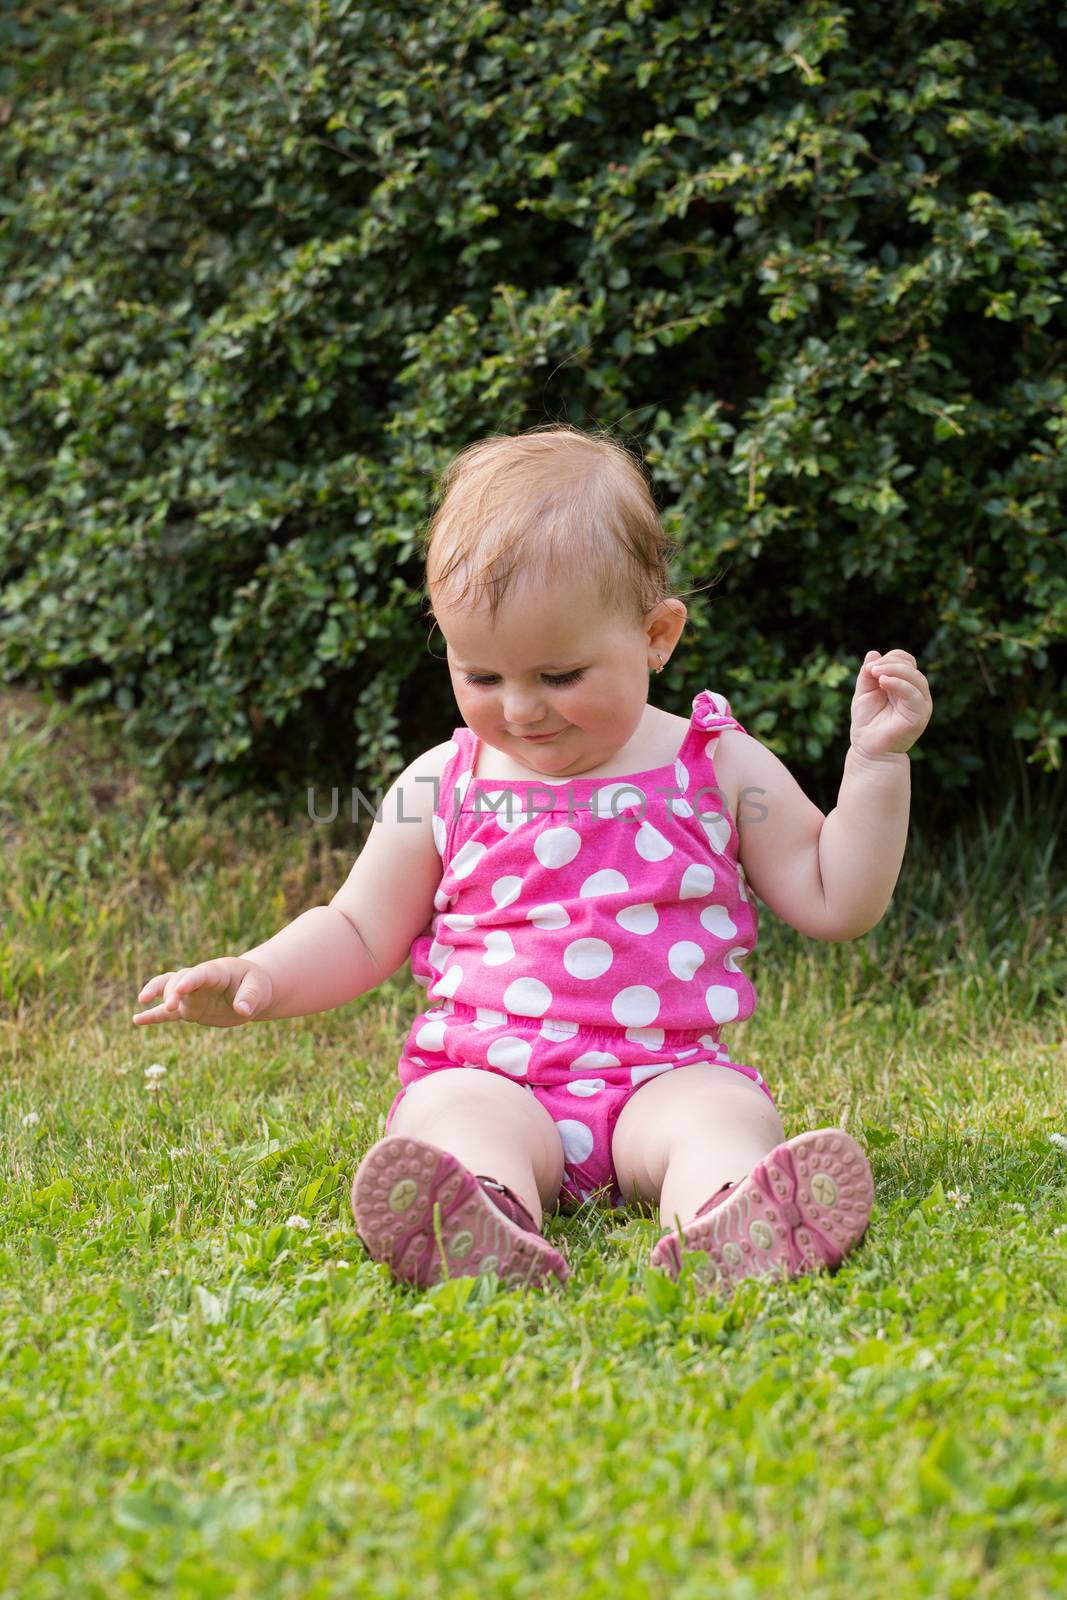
[709, 1205]
[507, 1201]
[716, 1200]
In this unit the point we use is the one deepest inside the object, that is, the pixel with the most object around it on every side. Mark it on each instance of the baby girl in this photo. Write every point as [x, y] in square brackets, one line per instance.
[571, 875]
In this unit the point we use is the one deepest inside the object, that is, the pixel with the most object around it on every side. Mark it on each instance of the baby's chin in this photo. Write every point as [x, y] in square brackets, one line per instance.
[555, 758]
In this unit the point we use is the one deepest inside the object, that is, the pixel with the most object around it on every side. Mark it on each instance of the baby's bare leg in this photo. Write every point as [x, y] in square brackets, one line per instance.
[492, 1124]
[689, 1131]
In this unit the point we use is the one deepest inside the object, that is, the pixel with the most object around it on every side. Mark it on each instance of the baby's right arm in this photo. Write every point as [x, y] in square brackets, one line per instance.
[331, 954]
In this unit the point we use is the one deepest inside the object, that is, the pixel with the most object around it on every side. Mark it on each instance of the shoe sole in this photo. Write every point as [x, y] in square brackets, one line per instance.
[398, 1188]
[801, 1209]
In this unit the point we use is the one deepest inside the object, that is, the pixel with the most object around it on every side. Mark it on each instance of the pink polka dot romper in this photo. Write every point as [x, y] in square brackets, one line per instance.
[587, 937]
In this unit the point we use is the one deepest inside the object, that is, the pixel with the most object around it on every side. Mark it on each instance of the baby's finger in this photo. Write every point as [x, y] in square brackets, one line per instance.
[208, 975]
[903, 688]
[902, 669]
[157, 1014]
[154, 986]
[170, 996]
[900, 656]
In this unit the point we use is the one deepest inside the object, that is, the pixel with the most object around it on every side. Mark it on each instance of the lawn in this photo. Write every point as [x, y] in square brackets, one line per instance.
[208, 1389]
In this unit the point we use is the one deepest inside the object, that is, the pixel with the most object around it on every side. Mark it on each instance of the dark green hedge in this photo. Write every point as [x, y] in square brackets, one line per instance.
[264, 265]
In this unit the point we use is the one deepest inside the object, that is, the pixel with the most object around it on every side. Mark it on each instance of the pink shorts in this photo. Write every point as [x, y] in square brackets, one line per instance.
[582, 1077]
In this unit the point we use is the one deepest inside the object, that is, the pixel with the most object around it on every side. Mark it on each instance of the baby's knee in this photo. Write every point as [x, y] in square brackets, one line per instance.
[446, 1089]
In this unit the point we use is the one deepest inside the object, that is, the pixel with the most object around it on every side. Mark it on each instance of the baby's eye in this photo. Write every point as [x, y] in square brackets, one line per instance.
[555, 681]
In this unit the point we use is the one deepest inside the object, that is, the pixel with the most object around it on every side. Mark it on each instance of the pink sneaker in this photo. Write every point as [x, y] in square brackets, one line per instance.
[402, 1181]
[802, 1208]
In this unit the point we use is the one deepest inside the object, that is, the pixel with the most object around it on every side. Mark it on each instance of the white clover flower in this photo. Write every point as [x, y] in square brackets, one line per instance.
[1059, 1140]
[177, 1151]
[297, 1222]
[958, 1200]
[153, 1086]
[1016, 1205]
[343, 1266]
[31, 1119]
[155, 1071]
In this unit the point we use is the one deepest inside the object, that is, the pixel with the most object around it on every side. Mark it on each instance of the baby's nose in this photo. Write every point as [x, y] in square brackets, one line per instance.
[523, 713]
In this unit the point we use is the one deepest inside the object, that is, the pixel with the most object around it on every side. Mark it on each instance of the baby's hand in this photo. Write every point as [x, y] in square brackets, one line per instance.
[892, 704]
[211, 994]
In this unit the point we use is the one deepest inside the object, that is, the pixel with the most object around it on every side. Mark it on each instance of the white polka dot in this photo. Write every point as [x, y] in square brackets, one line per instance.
[594, 1061]
[498, 947]
[722, 1003]
[680, 1055]
[510, 1055]
[485, 1018]
[651, 844]
[606, 881]
[505, 805]
[450, 982]
[431, 1036]
[527, 997]
[717, 830]
[681, 808]
[459, 922]
[635, 1006]
[505, 890]
[639, 1074]
[638, 919]
[612, 799]
[719, 702]
[588, 958]
[685, 958]
[440, 833]
[441, 1011]
[681, 776]
[438, 954]
[741, 881]
[732, 957]
[558, 1030]
[584, 1087]
[419, 1062]
[651, 1038]
[465, 860]
[696, 880]
[577, 1139]
[463, 783]
[709, 1041]
[548, 916]
[556, 846]
[718, 921]
[421, 979]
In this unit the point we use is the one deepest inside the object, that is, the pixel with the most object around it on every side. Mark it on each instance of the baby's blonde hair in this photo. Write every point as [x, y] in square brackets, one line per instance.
[552, 502]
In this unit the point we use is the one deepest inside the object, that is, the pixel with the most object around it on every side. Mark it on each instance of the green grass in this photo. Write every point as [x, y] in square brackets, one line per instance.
[197, 1399]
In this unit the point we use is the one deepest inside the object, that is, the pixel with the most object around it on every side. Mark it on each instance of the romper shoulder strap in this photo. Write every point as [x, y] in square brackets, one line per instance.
[455, 780]
[696, 768]
[712, 714]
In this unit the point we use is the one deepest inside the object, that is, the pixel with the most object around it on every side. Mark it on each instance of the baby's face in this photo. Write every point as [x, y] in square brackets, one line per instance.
[552, 664]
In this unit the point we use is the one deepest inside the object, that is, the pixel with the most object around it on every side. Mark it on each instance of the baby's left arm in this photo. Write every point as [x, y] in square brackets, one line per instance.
[833, 876]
